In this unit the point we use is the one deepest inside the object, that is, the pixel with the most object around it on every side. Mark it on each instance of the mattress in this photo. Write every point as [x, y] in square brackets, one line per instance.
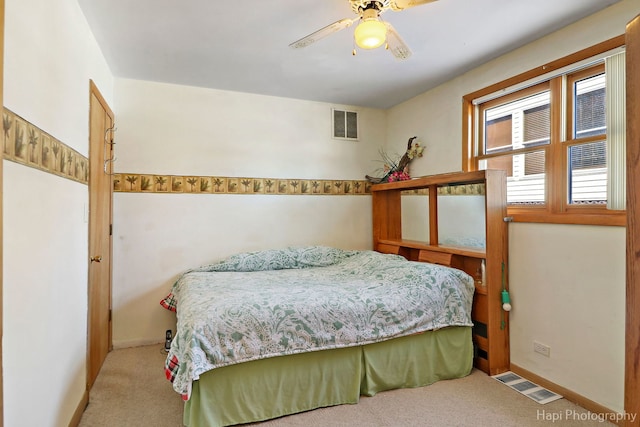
[266, 304]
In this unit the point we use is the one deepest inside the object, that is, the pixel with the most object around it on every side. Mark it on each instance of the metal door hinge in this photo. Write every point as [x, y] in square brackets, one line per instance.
[110, 229]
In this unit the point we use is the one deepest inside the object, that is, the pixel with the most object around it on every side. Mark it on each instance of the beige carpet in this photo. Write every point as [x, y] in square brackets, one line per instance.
[131, 390]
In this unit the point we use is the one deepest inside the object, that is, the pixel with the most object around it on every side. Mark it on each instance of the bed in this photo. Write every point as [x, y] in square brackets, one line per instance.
[271, 333]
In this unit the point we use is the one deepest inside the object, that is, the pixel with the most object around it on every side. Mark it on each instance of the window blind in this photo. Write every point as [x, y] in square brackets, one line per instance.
[616, 131]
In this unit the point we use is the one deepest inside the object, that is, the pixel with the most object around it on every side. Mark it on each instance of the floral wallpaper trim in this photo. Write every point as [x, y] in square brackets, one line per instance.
[450, 190]
[29, 145]
[146, 183]
[138, 183]
[26, 144]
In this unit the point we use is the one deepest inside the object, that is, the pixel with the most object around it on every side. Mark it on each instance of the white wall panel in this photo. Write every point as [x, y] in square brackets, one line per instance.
[180, 130]
[50, 56]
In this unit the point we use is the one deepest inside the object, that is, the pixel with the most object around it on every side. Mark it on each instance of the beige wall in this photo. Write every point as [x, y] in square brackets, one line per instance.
[568, 288]
[567, 282]
[50, 55]
[180, 130]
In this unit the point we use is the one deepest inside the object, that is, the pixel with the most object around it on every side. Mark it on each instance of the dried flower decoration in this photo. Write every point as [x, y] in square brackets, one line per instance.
[415, 151]
[397, 170]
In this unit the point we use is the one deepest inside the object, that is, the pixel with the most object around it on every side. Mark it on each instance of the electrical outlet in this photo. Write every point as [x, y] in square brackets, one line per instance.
[542, 349]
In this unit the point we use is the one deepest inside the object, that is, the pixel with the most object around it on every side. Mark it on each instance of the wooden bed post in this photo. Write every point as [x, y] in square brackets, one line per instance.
[433, 215]
[386, 216]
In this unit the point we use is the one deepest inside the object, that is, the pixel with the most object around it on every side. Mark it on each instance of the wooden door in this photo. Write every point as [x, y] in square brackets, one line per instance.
[100, 208]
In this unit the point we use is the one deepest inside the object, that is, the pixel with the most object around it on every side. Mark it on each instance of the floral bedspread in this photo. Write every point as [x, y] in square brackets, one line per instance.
[279, 302]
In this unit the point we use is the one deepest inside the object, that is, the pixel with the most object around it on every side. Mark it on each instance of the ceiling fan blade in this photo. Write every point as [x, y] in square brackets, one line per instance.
[398, 5]
[322, 32]
[395, 44]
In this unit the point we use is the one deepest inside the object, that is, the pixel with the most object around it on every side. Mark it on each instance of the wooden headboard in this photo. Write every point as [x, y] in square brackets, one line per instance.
[487, 266]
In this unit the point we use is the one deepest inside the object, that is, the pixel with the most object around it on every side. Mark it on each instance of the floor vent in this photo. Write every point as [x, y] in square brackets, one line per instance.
[527, 388]
[345, 124]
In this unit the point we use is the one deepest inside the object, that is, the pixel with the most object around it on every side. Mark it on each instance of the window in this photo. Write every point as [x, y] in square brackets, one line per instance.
[550, 137]
[587, 158]
[512, 129]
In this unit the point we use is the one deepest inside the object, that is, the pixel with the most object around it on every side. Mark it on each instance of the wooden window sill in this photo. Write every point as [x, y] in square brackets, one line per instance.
[618, 219]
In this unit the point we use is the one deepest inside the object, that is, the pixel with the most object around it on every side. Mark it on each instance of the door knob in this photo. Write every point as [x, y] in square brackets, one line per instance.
[97, 258]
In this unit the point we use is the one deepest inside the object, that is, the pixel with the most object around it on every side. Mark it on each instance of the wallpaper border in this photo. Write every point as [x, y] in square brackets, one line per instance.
[146, 183]
[26, 144]
[450, 190]
[29, 145]
[149, 183]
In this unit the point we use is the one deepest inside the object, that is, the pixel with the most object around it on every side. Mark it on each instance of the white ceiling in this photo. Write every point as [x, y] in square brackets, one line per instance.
[242, 45]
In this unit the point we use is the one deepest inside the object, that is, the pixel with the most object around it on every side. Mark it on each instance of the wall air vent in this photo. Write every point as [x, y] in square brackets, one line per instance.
[345, 124]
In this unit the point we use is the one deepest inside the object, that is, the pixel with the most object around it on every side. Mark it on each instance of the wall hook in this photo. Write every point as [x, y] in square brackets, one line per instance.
[108, 142]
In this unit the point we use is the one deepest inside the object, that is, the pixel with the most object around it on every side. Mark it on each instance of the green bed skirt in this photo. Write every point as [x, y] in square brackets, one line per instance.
[270, 388]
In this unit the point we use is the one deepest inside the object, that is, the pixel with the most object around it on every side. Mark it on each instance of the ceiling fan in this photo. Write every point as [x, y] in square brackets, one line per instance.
[371, 32]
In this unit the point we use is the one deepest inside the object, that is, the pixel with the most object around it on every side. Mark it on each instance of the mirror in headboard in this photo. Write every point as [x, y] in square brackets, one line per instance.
[461, 215]
[415, 214]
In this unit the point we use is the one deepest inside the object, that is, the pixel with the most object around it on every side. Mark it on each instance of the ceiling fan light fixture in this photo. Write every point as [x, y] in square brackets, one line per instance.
[370, 33]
